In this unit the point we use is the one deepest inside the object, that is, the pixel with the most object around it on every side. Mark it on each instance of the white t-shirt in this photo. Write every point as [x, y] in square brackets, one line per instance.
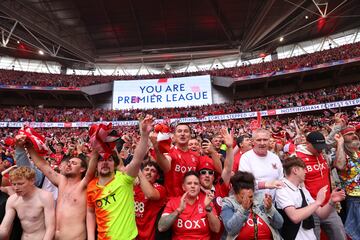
[264, 169]
[290, 196]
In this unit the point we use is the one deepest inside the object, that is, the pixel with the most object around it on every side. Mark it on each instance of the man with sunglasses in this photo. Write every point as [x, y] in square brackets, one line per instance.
[219, 186]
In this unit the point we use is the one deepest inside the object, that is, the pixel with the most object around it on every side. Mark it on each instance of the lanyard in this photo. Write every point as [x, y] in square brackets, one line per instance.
[255, 225]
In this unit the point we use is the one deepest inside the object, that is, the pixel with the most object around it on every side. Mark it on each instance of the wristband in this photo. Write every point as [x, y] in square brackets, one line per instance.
[331, 203]
[208, 209]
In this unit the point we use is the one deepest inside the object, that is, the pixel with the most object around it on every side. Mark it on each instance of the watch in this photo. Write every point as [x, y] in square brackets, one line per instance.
[208, 209]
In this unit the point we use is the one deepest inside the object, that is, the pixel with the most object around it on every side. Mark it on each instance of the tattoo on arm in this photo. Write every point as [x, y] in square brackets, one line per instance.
[167, 221]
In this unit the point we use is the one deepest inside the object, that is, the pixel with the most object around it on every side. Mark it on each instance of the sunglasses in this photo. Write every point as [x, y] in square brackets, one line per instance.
[204, 171]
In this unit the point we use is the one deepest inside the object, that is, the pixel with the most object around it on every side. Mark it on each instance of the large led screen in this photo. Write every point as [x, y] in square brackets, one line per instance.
[162, 93]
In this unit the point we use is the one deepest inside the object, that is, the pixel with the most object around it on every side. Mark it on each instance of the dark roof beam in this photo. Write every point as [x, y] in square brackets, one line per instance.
[89, 99]
[259, 35]
[257, 23]
[5, 41]
[275, 40]
[136, 18]
[37, 22]
[109, 21]
[222, 21]
[164, 20]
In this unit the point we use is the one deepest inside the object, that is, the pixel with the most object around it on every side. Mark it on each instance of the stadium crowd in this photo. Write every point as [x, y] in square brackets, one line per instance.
[148, 184]
[280, 177]
[325, 95]
[21, 78]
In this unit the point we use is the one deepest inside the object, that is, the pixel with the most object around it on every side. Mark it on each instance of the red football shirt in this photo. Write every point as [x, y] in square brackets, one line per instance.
[181, 163]
[146, 211]
[192, 223]
[221, 191]
[317, 174]
[248, 230]
[237, 161]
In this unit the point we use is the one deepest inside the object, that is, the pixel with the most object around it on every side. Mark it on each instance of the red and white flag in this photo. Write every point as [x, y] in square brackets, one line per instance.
[103, 139]
[36, 139]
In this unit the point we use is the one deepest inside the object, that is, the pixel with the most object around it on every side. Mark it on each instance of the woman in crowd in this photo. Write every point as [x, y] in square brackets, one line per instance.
[247, 216]
[192, 215]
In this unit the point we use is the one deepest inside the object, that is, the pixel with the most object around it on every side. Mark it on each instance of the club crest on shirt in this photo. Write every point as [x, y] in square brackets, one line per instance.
[274, 166]
[219, 201]
[200, 209]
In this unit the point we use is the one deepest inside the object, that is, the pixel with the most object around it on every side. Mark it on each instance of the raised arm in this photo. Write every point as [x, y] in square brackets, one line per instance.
[23, 160]
[8, 220]
[229, 160]
[163, 161]
[90, 173]
[340, 124]
[208, 148]
[340, 160]
[44, 166]
[142, 147]
[49, 213]
[149, 191]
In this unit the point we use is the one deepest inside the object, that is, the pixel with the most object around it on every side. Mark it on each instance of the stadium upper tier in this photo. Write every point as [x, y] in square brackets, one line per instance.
[326, 95]
[21, 78]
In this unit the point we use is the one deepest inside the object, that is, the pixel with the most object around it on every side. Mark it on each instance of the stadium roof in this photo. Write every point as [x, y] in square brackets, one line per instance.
[120, 31]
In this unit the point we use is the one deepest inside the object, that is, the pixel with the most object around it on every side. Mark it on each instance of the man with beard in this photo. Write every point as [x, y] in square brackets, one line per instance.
[110, 196]
[348, 164]
[263, 164]
[71, 202]
[211, 182]
[150, 197]
[318, 176]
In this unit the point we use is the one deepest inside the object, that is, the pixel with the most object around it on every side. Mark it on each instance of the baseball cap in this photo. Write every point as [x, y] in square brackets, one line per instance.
[317, 140]
[206, 163]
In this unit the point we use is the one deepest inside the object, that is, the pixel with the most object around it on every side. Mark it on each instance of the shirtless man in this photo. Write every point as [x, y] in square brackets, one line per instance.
[34, 207]
[71, 202]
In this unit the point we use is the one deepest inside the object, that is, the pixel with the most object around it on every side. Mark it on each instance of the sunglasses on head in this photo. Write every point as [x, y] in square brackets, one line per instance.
[204, 171]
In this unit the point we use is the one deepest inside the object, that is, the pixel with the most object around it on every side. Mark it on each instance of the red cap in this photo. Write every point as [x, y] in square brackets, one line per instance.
[348, 130]
[206, 163]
